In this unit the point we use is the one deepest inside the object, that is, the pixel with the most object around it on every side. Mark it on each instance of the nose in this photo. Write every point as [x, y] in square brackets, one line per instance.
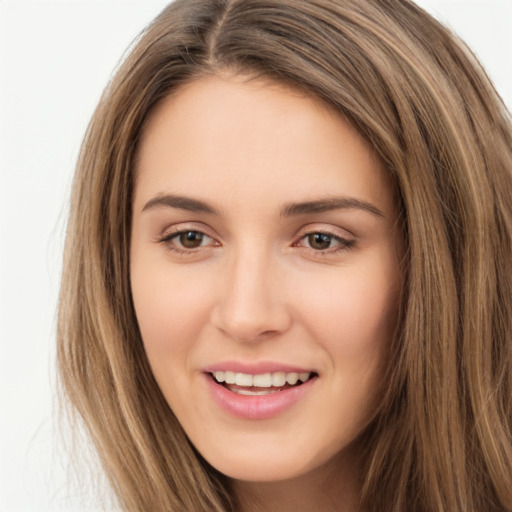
[252, 303]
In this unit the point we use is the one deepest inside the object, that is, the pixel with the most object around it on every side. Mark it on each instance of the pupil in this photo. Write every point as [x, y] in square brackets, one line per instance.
[191, 239]
[319, 241]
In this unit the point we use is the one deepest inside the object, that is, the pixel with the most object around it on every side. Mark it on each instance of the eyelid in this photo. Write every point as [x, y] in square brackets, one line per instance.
[344, 242]
[327, 229]
[177, 234]
[166, 237]
[183, 227]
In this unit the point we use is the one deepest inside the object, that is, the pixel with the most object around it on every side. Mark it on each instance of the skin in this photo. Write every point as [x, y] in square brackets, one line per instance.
[258, 288]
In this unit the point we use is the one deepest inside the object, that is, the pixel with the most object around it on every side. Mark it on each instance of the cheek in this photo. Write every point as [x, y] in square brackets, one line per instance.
[355, 323]
[354, 315]
[171, 309]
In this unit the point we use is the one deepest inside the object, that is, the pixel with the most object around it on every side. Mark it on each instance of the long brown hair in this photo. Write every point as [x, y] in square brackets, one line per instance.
[442, 440]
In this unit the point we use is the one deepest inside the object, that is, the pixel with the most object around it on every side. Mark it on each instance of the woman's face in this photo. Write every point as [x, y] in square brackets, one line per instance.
[264, 253]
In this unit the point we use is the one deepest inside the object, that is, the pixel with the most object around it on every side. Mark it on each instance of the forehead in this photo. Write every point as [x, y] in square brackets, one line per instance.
[255, 140]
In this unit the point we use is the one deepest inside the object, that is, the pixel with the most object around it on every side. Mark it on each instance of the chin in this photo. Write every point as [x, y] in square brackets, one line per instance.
[272, 465]
[256, 471]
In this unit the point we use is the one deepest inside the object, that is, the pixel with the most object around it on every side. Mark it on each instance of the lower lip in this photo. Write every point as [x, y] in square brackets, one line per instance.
[258, 407]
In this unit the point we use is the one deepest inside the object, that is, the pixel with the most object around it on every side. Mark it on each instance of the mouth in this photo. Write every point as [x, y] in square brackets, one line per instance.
[260, 384]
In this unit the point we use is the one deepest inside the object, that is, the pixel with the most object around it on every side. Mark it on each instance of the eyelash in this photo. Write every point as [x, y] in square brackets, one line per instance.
[343, 244]
[168, 238]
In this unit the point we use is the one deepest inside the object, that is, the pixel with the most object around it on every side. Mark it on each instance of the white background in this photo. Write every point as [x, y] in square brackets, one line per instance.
[56, 57]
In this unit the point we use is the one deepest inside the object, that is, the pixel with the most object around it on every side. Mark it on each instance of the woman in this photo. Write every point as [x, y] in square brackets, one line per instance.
[287, 277]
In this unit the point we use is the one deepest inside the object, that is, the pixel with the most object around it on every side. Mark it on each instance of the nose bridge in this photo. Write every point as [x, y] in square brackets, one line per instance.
[251, 304]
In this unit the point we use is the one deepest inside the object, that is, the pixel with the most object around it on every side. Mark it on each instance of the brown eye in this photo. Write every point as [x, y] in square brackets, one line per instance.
[191, 239]
[319, 241]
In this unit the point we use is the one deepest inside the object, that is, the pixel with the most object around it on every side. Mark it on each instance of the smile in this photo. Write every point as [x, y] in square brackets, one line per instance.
[259, 395]
[250, 385]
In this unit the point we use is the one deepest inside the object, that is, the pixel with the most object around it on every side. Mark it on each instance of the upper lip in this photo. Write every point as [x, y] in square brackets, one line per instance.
[257, 368]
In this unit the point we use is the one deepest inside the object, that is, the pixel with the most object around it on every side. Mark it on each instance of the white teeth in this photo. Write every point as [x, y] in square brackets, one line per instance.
[292, 378]
[264, 380]
[244, 379]
[279, 379]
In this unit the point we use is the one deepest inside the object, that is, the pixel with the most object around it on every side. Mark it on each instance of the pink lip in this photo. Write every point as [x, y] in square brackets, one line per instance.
[258, 407]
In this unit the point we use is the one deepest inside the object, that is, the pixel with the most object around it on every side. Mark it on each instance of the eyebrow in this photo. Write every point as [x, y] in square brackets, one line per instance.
[325, 205]
[180, 202]
[288, 210]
